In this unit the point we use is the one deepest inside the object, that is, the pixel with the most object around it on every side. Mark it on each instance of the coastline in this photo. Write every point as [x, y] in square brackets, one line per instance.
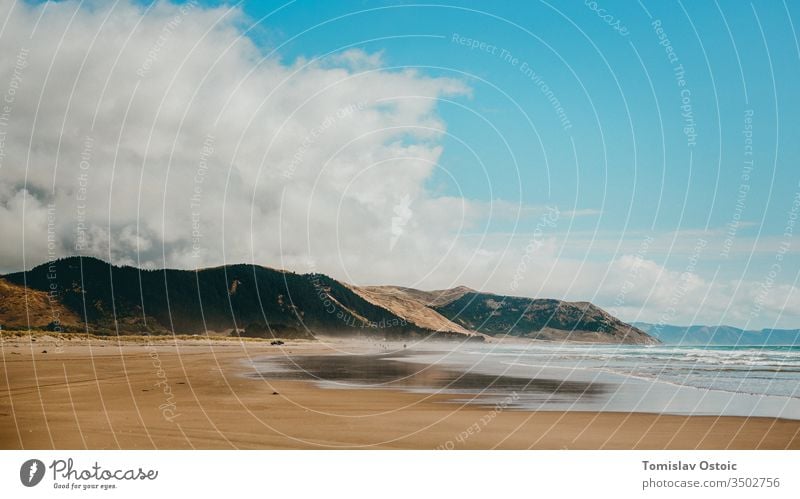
[195, 393]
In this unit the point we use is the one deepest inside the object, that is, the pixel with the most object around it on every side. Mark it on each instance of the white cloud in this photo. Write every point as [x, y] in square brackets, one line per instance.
[310, 147]
[356, 59]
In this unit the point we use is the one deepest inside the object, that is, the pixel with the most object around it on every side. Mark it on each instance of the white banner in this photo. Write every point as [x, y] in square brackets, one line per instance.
[401, 474]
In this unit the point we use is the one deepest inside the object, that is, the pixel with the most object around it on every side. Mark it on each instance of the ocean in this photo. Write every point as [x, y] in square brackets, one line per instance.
[771, 370]
[686, 380]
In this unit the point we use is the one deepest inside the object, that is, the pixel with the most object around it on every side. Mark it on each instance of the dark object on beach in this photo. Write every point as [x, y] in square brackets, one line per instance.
[275, 393]
[276, 342]
[259, 330]
[404, 345]
[44, 351]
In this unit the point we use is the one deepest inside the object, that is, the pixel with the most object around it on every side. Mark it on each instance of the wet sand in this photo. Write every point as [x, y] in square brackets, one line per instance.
[198, 394]
[395, 371]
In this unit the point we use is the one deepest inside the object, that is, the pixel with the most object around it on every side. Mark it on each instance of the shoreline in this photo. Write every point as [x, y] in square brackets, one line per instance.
[196, 393]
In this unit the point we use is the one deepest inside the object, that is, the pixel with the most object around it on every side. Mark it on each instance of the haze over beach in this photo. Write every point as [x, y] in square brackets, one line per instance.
[332, 225]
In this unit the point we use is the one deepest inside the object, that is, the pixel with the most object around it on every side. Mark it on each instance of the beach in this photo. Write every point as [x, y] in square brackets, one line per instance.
[201, 393]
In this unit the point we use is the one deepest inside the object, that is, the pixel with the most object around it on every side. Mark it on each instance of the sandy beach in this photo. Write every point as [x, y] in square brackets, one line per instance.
[195, 393]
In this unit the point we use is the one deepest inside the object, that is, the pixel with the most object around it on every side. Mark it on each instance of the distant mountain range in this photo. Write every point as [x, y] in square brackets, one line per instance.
[719, 335]
[87, 294]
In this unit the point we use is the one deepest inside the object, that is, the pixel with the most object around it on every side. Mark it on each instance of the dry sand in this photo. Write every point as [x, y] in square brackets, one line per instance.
[193, 394]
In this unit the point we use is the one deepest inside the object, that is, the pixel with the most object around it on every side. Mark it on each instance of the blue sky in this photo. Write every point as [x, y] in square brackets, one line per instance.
[627, 117]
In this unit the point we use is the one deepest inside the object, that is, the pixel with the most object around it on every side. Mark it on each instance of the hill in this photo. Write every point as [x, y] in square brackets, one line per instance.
[118, 300]
[22, 308]
[90, 294]
[497, 315]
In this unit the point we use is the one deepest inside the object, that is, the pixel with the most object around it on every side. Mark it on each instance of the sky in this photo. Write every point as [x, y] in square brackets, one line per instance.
[639, 155]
